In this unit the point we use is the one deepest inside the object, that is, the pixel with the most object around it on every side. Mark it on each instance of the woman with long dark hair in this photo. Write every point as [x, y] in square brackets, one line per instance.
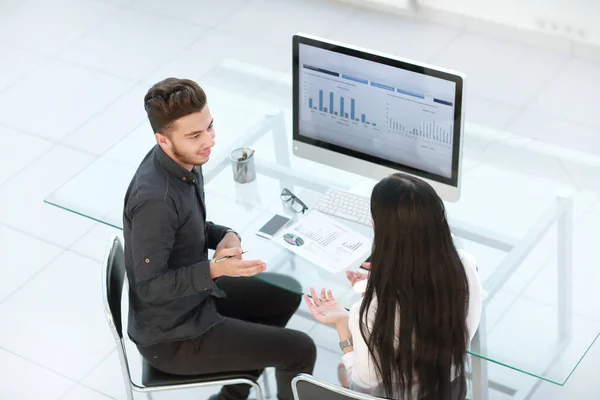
[407, 337]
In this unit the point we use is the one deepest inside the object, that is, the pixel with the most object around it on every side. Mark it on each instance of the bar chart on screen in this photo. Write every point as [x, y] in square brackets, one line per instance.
[427, 131]
[419, 118]
[379, 112]
[339, 105]
[331, 98]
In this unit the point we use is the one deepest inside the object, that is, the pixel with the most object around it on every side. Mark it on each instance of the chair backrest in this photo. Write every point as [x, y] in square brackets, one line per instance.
[113, 281]
[307, 387]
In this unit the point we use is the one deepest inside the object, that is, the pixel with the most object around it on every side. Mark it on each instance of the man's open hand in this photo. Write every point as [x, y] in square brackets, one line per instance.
[229, 241]
[234, 266]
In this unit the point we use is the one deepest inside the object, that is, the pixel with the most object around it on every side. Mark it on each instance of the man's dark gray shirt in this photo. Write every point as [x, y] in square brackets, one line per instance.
[167, 237]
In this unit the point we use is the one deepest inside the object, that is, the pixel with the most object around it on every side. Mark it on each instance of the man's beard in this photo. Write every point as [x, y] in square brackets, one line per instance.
[182, 158]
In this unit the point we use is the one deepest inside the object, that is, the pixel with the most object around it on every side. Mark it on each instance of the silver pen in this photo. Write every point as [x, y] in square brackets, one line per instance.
[226, 257]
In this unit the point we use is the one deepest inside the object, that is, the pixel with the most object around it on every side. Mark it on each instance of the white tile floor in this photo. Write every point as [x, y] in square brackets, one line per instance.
[72, 79]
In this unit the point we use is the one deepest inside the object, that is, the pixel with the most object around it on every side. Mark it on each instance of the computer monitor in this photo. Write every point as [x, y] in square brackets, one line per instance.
[374, 114]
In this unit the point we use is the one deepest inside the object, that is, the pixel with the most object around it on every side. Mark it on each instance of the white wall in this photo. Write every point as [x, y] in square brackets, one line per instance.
[397, 3]
[573, 19]
[576, 19]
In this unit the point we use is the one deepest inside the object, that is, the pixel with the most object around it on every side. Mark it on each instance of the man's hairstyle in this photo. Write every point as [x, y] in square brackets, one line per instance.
[171, 99]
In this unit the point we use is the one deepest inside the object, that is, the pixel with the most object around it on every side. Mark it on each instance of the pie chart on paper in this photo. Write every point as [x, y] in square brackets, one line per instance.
[293, 240]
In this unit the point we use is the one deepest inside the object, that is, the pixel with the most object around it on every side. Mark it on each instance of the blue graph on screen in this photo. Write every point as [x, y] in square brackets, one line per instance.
[342, 106]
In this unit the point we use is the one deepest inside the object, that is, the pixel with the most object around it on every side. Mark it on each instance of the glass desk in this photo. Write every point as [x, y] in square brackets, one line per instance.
[528, 215]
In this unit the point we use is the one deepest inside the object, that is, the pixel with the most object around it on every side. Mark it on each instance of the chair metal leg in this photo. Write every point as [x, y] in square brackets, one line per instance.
[129, 390]
[266, 384]
[258, 391]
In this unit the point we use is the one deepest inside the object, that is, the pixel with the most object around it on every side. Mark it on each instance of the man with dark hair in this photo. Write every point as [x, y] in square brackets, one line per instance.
[190, 315]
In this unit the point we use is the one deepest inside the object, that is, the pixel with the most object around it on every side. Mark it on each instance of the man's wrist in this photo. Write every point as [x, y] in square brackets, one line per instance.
[235, 233]
[213, 269]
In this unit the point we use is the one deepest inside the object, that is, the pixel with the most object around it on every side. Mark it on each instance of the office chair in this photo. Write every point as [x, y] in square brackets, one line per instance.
[307, 387]
[113, 280]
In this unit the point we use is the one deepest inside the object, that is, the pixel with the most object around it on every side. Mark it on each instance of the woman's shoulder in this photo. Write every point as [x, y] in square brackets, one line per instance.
[355, 308]
[468, 259]
[470, 264]
[475, 291]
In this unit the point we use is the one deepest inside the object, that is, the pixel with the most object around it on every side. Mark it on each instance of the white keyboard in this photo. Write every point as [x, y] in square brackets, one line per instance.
[349, 206]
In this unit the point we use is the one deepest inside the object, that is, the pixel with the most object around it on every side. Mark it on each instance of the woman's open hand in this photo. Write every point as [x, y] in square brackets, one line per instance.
[325, 308]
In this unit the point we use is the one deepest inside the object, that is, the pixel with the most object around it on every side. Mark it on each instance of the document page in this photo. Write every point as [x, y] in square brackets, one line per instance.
[324, 241]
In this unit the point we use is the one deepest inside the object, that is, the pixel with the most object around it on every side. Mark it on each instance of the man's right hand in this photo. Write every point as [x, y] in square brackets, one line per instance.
[234, 267]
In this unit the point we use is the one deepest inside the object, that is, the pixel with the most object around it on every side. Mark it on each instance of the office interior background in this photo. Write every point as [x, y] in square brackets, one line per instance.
[73, 74]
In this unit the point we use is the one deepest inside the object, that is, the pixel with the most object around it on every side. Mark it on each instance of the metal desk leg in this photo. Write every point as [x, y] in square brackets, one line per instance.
[280, 139]
[565, 268]
[479, 374]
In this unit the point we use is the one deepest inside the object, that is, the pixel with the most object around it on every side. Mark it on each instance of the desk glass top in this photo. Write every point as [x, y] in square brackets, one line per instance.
[529, 212]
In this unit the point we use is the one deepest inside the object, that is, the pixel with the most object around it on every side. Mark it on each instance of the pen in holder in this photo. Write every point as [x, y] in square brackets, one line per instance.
[242, 162]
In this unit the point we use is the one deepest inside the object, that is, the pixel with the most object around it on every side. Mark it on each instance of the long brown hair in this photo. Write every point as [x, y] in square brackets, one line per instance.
[419, 334]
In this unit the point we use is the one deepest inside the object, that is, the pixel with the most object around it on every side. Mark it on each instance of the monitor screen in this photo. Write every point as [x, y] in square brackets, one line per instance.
[382, 110]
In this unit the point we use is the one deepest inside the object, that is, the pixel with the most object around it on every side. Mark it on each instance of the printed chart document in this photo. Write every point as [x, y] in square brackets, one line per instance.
[324, 242]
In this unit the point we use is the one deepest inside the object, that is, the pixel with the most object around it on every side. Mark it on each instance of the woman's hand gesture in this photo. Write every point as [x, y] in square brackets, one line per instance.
[325, 308]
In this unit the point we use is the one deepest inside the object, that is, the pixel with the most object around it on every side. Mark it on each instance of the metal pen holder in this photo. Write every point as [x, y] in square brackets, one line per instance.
[242, 163]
